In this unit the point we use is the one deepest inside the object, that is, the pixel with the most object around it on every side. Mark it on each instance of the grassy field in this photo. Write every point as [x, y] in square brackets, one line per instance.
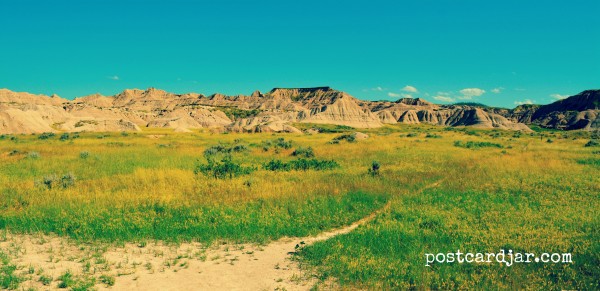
[493, 190]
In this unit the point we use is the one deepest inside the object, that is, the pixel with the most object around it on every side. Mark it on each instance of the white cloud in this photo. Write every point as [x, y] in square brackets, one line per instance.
[558, 96]
[407, 96]
[526, 101]
[378, 88]
[115, 78]
[469, 93]
[394, 95]
[497, 90]
[444, 98]
[409, 88]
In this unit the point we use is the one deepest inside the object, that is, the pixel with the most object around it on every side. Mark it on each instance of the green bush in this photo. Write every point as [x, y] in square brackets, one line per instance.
[346, 137]
[108, 280]
[477, 144]
[46, 135]
[216, 149]
[335, 129]
[301, 165]
[45, 280]
[592, 143]
[66, 280]
[223, 169]
[276, 165]
[223, 149]
[279, 143]
[64, 137]
[54, 181]
[303, 152]
[374, 170]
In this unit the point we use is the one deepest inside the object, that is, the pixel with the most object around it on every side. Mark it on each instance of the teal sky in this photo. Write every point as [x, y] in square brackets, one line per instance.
[500, 53]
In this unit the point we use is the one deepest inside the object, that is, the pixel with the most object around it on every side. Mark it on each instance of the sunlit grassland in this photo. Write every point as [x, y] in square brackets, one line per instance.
[533, 197]
[529, 195]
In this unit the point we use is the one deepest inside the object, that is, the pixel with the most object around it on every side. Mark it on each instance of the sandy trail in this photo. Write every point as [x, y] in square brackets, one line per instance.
[248, 267]
[156, 266]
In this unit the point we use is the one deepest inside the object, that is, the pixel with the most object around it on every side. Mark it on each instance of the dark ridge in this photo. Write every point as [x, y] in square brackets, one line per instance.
[472, 104]
[311, 89]
[588, 99]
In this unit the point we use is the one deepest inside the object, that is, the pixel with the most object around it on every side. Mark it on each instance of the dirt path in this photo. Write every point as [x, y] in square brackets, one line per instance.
[155, 266]
[266, 268]
[247, 267]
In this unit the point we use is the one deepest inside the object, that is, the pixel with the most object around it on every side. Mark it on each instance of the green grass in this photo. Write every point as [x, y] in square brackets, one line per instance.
[514, 191]
[9, 279]
[258, 221]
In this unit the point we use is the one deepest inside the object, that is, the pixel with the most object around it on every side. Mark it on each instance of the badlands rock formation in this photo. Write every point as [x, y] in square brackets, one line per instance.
[276, 110]
[412, 111]
[581, 111]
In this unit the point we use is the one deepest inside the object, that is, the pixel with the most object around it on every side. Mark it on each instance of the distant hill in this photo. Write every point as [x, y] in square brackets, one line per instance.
[473, 104]
[275, 110]
[581, 111]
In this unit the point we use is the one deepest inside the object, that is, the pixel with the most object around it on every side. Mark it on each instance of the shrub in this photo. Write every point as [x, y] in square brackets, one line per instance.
[277, 143]
[66, 280]
[84, 155]
[300, 165]
[64, 137]
[374, 170]
[226, 168]
[432, 135]
[549, 140]
[238, 148]
[346, 137]
[213, 150]
[46, 135]
[592, 143]
[476, 144]
[236, 113]
[53, 181]
[33, 155]
[282, 143]
[14, 152]
[108, 280]
[412, 134]
[124, 133]
[45, 280]
[222, 149]
[81, 123]
[303, 152]
[334, 129]
[276, 165]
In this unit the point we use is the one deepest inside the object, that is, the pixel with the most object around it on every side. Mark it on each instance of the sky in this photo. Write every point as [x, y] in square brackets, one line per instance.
[500, 53]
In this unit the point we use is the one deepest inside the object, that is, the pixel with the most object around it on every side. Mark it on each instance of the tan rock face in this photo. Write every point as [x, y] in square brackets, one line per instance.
[271, 111]
[414, 111]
